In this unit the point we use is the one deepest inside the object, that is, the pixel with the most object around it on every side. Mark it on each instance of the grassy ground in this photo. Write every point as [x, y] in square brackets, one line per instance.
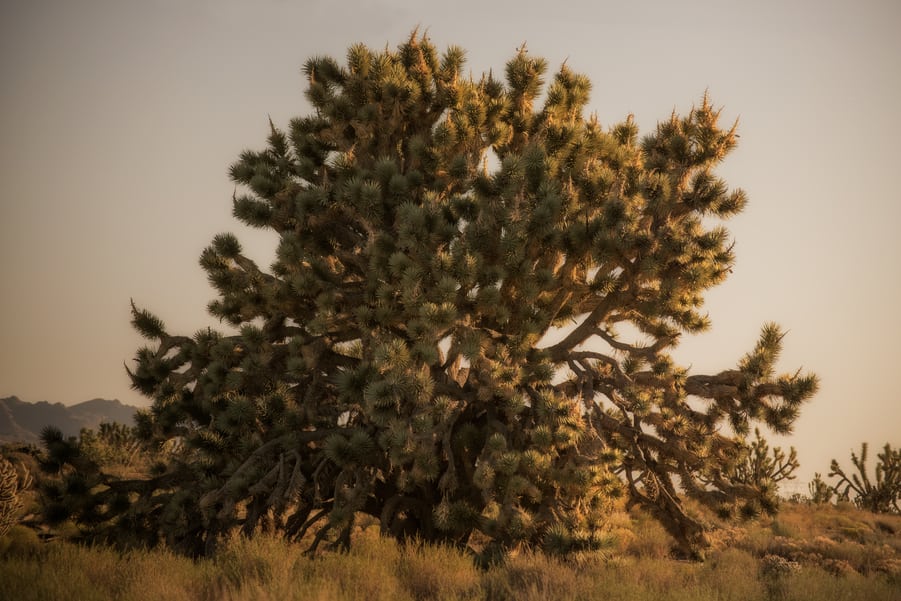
[805, 553]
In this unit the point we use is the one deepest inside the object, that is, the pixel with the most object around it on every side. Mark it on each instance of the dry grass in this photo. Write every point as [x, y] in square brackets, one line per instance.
[825, 553]
[839, 539]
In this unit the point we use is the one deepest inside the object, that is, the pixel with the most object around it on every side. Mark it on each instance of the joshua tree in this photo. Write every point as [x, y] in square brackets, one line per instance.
[763, 471]
[820, 491]
[467, 325]
[881, 496]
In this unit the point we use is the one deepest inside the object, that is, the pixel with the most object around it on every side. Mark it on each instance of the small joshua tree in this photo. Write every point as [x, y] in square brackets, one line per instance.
[881, 495]
[820, 491]
[764, 471]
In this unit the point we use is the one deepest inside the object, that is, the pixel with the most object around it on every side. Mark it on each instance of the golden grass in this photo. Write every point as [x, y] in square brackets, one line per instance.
[831, 553]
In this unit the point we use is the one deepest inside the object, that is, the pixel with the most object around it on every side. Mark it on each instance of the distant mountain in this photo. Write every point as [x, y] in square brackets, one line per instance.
[21, 421]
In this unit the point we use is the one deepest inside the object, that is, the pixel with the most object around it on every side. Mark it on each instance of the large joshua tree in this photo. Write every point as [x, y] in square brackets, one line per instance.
[467, 325]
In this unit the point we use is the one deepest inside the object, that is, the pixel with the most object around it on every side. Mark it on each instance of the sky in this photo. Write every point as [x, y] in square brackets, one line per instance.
[119, 119]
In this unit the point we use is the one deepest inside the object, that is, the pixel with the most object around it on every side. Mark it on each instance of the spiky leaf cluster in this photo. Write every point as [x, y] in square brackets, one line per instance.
[435, 343]
[89, 480]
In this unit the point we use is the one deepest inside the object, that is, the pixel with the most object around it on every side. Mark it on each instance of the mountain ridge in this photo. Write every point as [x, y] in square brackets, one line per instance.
[22, 421]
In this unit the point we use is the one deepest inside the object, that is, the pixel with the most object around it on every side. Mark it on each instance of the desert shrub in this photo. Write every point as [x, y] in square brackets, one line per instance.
[12, 483]
[112, 444]
[774, 569]
[838, 567]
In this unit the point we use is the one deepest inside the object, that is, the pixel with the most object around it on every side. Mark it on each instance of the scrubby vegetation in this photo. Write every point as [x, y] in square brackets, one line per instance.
[808, 552]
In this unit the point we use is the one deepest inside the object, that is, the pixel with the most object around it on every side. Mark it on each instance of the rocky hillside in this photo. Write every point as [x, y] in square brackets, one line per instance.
[21, 421]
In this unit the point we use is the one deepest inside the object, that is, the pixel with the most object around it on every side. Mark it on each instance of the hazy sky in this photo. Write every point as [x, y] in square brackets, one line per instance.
[120, 117]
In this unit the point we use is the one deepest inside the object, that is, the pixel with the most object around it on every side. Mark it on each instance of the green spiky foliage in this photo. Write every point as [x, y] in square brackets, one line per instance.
[436, 343]
[882, 495]
[763, 469]
[83, 483]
